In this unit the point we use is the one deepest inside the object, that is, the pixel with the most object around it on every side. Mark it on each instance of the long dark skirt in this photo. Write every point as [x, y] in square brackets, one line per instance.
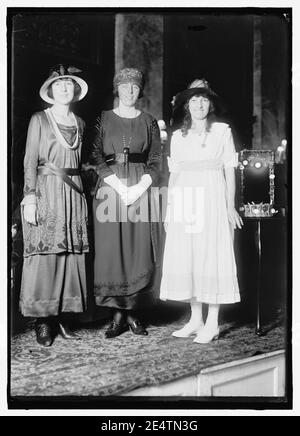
[124, 263]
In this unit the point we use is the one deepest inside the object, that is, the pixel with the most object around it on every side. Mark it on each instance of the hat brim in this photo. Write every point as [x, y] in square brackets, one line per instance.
[44, 88]
[182, 97]
[220, 108]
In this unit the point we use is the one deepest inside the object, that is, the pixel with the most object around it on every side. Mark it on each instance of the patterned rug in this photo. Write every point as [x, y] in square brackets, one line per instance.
[96, 366]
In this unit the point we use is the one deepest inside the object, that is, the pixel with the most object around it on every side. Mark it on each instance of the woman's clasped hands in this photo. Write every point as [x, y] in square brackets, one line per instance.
[133, 193]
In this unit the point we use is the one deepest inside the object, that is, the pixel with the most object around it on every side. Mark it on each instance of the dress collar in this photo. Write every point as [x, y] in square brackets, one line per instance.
[57, 132]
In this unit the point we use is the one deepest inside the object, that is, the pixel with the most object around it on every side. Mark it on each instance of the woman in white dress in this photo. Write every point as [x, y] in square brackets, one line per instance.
[199, 264]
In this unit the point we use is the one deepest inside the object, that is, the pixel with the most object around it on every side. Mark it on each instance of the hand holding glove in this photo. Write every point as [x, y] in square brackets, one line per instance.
[30, 214]
[30, 209]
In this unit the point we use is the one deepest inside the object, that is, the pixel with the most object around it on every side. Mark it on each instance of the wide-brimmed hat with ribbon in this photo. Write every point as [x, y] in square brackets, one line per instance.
[63, 72]
[184, 96]
[197, 87]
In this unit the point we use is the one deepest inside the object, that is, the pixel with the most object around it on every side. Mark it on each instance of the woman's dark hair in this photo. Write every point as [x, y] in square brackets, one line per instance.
[187, 119]
[77, 88]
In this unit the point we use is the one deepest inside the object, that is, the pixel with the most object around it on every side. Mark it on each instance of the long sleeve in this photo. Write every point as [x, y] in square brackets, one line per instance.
[97, 156]
[31, 158]
[154, 155]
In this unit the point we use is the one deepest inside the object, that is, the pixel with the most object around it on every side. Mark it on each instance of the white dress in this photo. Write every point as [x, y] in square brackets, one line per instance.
[199, 258]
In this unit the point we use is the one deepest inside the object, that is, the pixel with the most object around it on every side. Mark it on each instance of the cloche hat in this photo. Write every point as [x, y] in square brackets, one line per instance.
[63, 72]
[132, 75]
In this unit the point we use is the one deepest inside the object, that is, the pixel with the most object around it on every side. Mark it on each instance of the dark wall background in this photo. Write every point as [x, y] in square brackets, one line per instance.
[276, 80]
[219, 48]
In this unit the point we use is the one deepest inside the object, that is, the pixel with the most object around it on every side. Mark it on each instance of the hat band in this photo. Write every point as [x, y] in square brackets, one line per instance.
[124, 81]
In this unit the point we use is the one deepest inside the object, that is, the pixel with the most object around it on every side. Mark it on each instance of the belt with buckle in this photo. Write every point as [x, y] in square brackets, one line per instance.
[119, 158]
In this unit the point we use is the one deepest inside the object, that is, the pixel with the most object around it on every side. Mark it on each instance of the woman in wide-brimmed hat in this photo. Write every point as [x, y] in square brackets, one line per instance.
[54, 210]
[199, 264]
[220, 108]
[126, 154]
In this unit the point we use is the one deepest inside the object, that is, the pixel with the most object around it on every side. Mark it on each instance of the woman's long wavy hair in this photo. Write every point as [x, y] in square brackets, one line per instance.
[187, 119]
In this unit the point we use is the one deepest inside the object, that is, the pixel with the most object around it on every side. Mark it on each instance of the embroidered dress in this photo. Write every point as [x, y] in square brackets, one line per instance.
[126, 252]
[199, 259]
[53, 278]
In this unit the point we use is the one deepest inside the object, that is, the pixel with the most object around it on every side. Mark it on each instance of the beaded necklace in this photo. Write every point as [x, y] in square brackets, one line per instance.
[58, 133]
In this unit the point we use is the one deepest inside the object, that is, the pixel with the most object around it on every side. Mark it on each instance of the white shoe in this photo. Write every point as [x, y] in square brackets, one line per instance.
[207, 335]
[187, 330]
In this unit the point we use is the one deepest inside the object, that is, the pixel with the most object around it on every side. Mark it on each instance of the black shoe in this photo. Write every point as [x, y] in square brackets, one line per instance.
[43, 334]
[66, 333]
[115, 329]
[137, 328]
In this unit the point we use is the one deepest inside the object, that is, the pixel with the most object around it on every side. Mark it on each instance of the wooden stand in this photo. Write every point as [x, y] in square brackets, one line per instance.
[258, 220]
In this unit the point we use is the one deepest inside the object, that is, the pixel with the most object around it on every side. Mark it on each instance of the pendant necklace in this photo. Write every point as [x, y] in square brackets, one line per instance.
[126, 147]
[203, 143]
[131, 132]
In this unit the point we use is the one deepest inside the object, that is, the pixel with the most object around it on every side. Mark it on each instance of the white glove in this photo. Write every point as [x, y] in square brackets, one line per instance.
[136, 191]
[116, 184]
[30, 209]
[30, 214]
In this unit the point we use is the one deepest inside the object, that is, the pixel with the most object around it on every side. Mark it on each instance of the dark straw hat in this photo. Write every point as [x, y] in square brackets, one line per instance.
[201, 88]
[184, 96]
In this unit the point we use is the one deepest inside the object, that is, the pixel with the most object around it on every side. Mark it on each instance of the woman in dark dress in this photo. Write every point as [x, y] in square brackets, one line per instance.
[54, 210]
[126, 153]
